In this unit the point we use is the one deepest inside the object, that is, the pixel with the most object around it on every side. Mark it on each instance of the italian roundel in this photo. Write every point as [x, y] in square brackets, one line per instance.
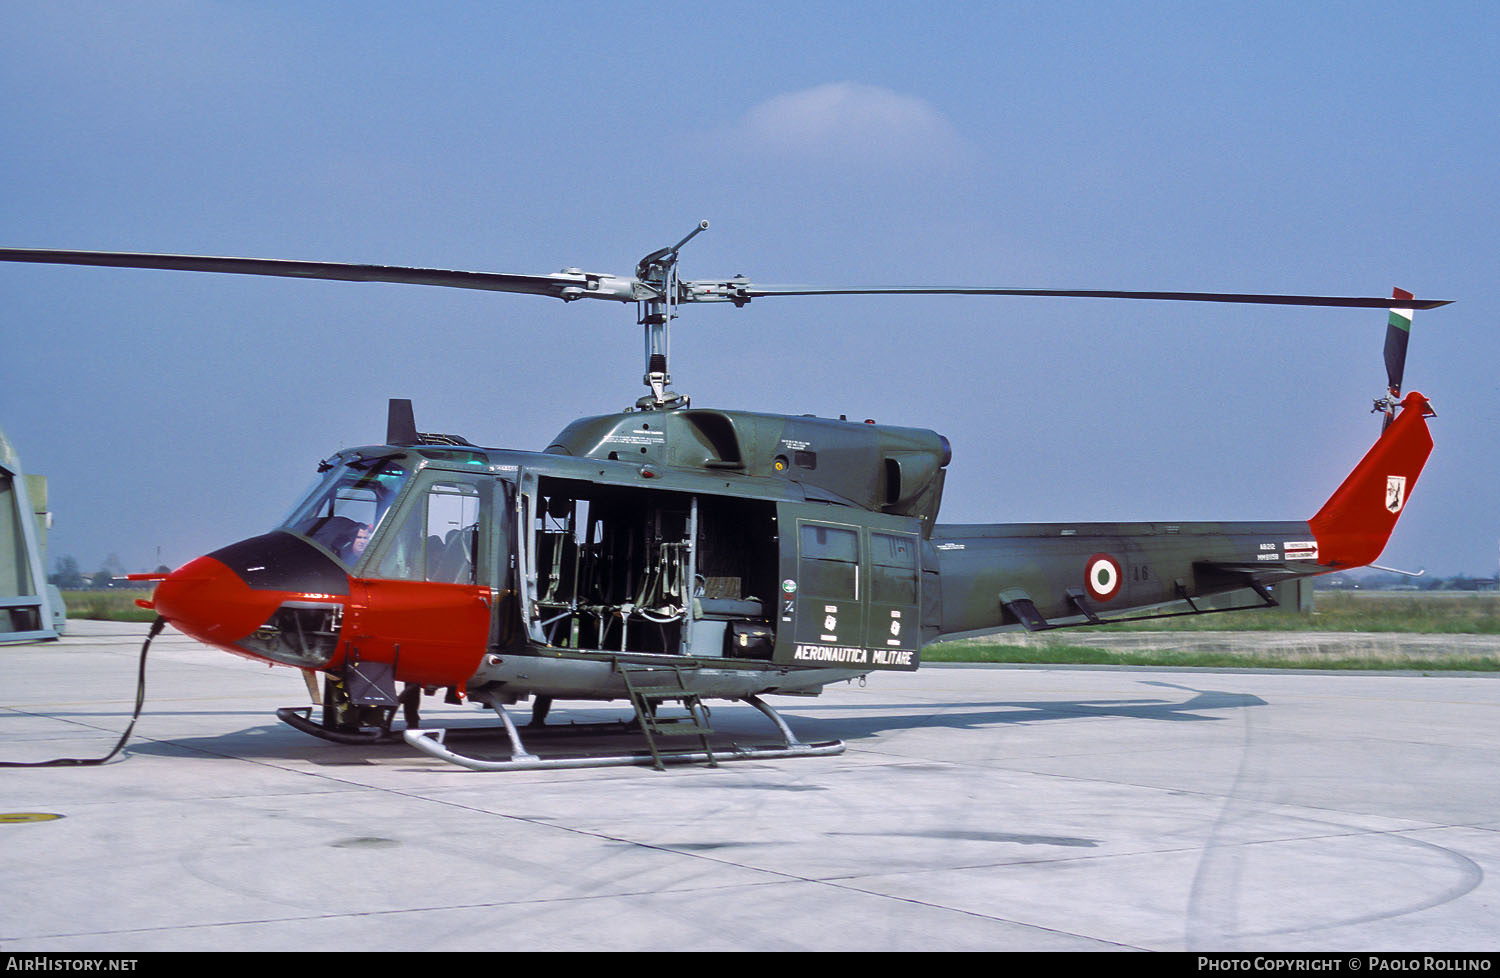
[1103, 577]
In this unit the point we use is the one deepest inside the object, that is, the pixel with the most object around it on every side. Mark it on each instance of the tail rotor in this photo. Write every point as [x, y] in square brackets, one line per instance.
[1397, 332]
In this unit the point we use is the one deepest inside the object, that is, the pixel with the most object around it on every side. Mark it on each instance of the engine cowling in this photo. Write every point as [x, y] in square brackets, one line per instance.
[874, 466]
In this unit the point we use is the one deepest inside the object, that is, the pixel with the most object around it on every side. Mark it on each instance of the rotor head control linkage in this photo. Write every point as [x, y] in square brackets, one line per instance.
[657, 307]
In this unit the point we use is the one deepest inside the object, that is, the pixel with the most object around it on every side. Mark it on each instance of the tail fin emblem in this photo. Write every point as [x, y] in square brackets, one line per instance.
[1395, 492]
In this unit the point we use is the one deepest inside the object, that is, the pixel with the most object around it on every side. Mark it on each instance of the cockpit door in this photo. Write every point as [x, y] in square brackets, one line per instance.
[426, 600]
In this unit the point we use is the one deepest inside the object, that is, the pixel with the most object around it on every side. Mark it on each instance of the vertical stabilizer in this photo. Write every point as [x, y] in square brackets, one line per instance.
[1353, 526]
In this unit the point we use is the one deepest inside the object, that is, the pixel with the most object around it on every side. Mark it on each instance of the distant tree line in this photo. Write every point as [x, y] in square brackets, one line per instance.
[1400, 582]
[1459, 583]
[68, 576]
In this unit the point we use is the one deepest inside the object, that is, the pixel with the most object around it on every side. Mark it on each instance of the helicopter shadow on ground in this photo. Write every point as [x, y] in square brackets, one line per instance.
[478, 733]
[969, 716]
[272, 741]
[733, 723]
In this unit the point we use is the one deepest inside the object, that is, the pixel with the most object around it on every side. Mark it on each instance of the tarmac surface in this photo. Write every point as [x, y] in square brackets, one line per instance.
[976, 808]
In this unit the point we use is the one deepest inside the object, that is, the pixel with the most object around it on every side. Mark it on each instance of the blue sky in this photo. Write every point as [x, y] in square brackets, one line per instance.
[1331, 148]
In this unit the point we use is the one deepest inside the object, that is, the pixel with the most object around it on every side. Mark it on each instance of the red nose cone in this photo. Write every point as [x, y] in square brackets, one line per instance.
[209, 602]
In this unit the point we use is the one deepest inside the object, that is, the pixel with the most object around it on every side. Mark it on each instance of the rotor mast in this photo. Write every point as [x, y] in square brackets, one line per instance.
[657, 307]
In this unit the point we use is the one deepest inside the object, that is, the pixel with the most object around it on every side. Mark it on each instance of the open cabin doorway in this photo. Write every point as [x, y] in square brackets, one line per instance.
[621, 569]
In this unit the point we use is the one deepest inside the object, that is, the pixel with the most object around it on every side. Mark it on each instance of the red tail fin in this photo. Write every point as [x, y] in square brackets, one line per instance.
[1353, 526]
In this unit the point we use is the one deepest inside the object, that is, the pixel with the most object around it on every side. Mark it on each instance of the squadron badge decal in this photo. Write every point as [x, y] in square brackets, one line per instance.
[1395, 492]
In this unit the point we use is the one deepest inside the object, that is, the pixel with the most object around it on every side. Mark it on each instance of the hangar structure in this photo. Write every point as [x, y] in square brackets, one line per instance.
[30, 609]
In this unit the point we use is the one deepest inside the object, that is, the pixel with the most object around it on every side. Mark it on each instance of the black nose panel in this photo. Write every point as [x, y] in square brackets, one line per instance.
[278, 561]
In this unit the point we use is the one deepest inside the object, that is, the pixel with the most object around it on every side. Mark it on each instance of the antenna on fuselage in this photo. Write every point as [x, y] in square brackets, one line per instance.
[401, 423]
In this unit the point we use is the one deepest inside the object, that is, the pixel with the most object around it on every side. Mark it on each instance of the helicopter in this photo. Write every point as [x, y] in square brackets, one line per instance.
[672, 553]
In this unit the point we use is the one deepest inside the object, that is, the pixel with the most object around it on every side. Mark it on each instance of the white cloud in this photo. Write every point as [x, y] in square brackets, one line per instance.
[850, 122]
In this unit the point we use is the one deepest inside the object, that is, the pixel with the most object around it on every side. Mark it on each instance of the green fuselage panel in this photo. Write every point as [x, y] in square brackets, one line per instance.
[990, 574]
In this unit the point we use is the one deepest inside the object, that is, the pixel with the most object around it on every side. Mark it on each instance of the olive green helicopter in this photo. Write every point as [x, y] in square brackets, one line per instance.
[677, 554]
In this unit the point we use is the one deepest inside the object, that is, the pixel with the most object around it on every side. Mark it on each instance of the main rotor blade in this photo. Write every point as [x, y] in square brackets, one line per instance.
[580, 285]
[564, 285]
[751, 291]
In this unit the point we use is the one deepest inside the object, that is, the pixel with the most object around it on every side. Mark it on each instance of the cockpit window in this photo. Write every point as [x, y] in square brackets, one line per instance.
[439, 538]
[343, 511]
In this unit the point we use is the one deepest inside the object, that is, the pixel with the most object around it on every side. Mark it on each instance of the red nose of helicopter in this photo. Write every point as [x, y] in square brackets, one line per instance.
[210, 602]
[272, 597]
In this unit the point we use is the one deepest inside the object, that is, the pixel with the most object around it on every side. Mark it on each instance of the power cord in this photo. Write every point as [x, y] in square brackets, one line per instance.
[140, 699]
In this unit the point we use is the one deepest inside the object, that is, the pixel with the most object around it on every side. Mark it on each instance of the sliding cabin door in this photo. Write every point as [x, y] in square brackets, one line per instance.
[851, 592]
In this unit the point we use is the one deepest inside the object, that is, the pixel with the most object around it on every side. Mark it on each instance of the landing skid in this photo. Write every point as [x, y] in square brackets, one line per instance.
[344, 722]
[431, 742]
[300, 717]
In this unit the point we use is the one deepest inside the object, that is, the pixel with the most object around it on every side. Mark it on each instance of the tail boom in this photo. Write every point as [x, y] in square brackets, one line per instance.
[1054, 575]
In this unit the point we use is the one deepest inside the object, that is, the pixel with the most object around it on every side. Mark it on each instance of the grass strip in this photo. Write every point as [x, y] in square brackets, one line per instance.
[973, 651]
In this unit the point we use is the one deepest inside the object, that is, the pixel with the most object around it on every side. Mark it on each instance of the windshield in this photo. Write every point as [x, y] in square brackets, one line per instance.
[343, 511]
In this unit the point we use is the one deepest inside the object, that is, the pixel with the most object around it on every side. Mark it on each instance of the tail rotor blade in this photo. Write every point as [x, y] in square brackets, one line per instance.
[1396, 335]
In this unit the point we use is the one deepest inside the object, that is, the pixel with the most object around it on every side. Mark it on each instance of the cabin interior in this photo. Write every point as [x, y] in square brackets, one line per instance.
[622, 569]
